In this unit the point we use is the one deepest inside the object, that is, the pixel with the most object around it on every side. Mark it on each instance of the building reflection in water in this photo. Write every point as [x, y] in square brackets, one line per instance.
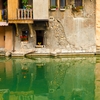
[97, 79]
[47, 78]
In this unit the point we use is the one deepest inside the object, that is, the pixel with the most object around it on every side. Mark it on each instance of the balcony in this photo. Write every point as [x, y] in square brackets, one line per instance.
[25, 14]
[22, 16]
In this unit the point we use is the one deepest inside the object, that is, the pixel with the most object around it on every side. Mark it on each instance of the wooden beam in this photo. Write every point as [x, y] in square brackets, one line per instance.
[21, 21]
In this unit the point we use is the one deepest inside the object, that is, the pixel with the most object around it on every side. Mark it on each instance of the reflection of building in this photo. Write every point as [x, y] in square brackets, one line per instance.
[97, 80]
[6, 73]
[4, 94]
[23, 78]
[71, 79]
[51, 79]
[21, 95]
[40, 85]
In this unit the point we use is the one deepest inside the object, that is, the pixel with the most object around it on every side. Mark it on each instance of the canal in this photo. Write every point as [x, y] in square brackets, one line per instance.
[48, 78]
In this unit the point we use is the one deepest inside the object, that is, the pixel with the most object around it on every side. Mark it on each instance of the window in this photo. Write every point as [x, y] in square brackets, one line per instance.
[24, 36]
[78, 3]
[62, 3]
[53, 3]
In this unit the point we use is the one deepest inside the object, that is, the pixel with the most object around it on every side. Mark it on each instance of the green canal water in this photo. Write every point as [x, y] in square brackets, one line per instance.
[46, 78]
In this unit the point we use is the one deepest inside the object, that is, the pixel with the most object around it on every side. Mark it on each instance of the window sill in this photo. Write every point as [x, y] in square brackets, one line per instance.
[52, 9]
[62, 9]
[39, 46]
[24, 42]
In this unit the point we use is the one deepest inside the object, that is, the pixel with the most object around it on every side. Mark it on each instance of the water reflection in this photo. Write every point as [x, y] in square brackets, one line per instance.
[48, 78]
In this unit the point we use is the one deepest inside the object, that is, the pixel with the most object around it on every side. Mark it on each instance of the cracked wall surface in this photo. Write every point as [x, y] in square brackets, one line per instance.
[73, 33]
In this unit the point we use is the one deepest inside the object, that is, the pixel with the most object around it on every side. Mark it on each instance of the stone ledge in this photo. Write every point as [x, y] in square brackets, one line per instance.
[39, 46]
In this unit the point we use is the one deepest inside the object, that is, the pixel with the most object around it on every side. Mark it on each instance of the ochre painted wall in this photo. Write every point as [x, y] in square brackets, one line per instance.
[2, 34]
[8, 38]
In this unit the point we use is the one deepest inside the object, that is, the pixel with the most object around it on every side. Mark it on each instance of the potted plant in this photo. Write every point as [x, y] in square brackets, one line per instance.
[39, 43]
[24, 2]
[77, 9]
[53, 7]
[23, 38]
[28, 7]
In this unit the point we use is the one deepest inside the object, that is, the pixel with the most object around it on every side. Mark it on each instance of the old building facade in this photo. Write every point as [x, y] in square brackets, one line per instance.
[50, 26]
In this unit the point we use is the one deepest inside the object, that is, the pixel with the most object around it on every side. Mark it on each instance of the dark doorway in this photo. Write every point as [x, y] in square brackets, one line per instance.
[39, 37]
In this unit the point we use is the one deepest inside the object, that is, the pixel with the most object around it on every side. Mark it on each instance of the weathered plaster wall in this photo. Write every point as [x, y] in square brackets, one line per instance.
[73, 31]
[40, 9]
[98, 24]
[24, 46]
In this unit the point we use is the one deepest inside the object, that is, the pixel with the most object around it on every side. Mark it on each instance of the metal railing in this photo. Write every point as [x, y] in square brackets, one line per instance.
[25, 14]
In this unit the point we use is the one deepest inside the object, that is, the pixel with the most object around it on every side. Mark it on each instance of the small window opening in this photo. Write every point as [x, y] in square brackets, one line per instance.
[39, 37]
[24, 36]
[78, 3]
[53, 3]
[62, 3]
